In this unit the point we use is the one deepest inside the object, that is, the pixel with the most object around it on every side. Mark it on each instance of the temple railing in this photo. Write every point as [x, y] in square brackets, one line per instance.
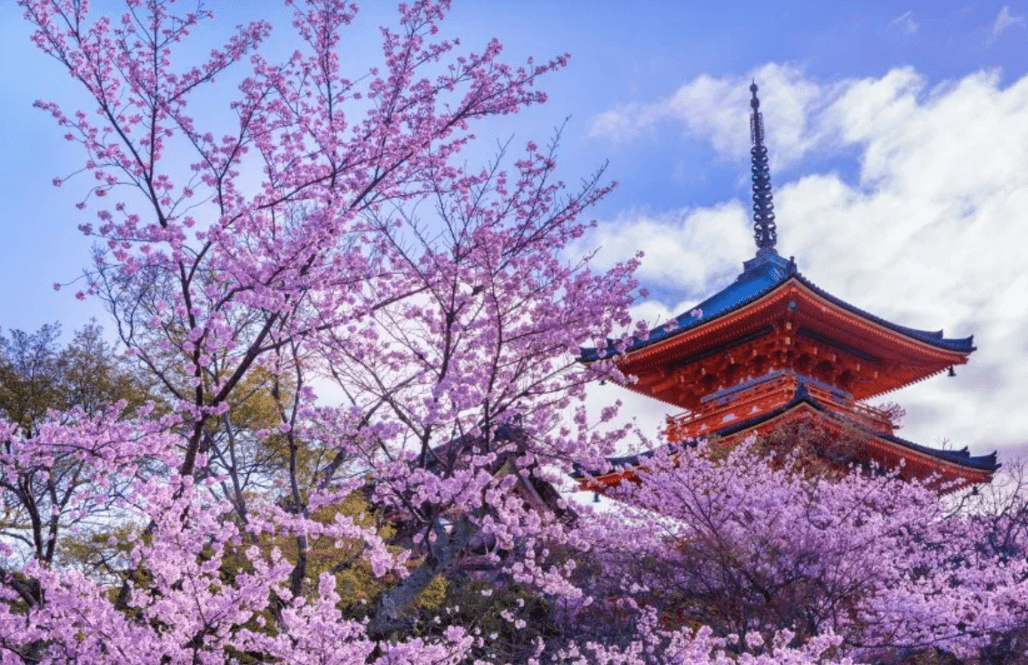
[754, 398]
[877, 418]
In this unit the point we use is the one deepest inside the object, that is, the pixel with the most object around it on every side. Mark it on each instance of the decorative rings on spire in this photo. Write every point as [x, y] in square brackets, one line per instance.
[764, 232]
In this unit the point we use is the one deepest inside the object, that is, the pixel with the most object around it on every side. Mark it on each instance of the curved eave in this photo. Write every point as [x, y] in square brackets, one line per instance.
[935, 338]
[758, 279]
[949, 351]
[885, 390]
[961, 459]
[750, 287]
[925, 342]
[954, 463]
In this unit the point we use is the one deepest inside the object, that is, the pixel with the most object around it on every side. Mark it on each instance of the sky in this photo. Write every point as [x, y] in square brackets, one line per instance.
[898, 140]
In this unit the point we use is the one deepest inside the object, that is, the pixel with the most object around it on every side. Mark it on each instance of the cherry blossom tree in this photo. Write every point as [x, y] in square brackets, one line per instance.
[327, 235]
[366, 354]
[750, 542]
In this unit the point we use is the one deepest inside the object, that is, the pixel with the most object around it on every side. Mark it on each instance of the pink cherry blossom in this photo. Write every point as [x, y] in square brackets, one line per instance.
[364, 353]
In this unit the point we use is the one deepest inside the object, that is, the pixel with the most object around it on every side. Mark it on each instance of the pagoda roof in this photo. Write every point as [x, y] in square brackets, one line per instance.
[960, 458]
[761, 275]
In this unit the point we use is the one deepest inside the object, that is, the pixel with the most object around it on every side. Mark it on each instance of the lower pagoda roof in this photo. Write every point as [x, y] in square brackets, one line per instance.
[960, 457]
[951, 464]
[761, 275]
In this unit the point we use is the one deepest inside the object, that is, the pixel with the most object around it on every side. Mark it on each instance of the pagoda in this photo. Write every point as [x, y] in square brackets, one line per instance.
[772, 349]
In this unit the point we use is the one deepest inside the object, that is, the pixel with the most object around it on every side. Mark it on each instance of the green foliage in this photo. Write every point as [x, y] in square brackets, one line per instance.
[102, 552]
[37, 376]
[41, 382]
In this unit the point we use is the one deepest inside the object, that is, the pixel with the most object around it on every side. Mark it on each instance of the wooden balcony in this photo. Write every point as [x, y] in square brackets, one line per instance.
[752, 398]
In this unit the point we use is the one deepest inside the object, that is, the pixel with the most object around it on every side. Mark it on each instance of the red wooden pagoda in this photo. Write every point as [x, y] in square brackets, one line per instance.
[773, 349]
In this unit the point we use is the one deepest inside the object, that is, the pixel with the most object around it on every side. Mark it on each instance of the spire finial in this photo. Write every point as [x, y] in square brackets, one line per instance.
[763, 208]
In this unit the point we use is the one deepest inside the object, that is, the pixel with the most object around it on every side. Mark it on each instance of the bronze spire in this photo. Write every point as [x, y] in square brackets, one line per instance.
[763, 208]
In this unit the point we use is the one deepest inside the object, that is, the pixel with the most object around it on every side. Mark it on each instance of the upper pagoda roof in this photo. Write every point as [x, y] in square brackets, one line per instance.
[766, 272]
[761, 275]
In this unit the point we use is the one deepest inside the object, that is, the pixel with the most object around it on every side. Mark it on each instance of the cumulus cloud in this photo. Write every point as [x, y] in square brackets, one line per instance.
[709, 108]
[930, 235]
[683, 248]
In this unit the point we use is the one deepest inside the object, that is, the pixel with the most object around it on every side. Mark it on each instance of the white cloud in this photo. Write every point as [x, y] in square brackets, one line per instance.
[905, 22]
[1003, 21]
[682, 248]
[709, 108]
[933, 234]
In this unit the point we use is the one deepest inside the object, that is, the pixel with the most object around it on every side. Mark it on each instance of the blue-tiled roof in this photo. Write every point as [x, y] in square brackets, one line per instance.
[760, 276]
[960, 457]
[935, 338]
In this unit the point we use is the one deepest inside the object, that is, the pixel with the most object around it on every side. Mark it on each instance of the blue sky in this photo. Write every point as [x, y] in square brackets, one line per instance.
[898, 135]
